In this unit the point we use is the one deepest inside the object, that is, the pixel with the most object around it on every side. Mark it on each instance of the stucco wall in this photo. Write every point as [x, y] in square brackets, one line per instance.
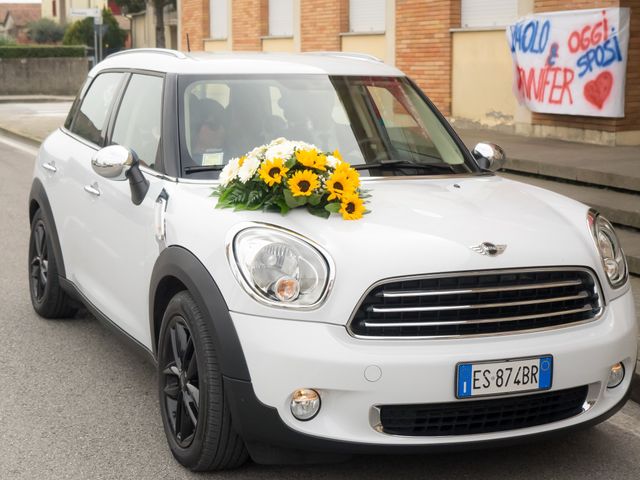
[482, 78]
[53, 76]
[278, 45]
[372, 44]
[216, 45]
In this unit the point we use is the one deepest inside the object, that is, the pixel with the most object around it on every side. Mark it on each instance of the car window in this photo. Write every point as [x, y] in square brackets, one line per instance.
[139, 121]
[92, 116]
[368, 119]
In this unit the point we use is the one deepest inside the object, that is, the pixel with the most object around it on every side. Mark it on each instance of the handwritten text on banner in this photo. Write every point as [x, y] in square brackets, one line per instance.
[571, 62]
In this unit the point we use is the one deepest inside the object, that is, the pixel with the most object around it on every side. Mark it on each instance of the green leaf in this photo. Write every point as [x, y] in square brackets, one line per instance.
[293, 202]
[318, 211]
[291, 162]
[333, 207]
[315, 199]
[284, 208]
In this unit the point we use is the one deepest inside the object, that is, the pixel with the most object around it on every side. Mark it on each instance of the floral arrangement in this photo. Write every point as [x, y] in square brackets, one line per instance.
[284, 175]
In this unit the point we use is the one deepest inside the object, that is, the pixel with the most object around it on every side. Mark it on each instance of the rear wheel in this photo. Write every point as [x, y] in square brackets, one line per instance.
[48, 298]
[195, 415]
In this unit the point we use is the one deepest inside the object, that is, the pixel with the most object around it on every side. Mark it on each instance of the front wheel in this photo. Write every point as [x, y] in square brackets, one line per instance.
[195, 415]
[48, 298]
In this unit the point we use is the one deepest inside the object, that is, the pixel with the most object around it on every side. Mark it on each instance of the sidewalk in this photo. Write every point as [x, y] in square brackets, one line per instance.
[617, 167]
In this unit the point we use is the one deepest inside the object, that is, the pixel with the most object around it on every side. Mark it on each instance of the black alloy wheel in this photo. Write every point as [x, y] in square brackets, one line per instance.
[181, 385]
[195, 414]
[48, 298]
[39, 261]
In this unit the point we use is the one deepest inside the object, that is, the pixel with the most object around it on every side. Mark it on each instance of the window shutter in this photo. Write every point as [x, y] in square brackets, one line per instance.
[367, 16]
[219, 18]
[281, 18]
[488, 13]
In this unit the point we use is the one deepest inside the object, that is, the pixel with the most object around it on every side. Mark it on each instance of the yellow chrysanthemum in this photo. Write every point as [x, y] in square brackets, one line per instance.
[352, 207]
[273, 171]
[311, 159]
[339, 185]
[303, 183]
[352, 174]
[241, 160]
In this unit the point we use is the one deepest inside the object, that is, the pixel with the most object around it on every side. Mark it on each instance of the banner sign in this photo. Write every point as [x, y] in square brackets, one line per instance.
[571, 62]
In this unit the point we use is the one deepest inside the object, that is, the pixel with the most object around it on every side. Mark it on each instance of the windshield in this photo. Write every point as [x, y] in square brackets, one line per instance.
[371, 120]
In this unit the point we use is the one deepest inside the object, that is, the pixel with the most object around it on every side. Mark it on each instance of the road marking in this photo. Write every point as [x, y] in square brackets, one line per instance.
[23, 147]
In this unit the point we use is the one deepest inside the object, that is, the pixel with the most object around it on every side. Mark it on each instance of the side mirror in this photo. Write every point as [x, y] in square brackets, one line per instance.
[116, 162]
[489, 156]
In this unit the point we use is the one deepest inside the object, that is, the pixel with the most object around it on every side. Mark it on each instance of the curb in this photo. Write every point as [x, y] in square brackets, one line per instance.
[582, 175]
[23, 137]
[35, 99]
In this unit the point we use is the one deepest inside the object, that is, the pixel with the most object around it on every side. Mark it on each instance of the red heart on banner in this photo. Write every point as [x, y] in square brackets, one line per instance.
[597, 91]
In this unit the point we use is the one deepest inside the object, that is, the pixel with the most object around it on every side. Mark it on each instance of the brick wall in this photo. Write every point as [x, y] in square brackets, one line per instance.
[631, 121]
[249, 22]
[322, 22]
[194, 17]
[424, 45]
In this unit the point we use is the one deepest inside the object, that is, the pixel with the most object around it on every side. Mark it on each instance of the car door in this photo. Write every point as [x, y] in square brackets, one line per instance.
[123, 246]
[68, 163]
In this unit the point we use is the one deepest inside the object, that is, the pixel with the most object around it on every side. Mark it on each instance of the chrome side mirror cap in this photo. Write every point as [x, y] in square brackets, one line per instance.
[489, 156]
[113, 162]
[116, 162]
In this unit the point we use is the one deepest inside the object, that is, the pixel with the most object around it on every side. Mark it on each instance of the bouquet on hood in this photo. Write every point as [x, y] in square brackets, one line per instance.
[284, 175]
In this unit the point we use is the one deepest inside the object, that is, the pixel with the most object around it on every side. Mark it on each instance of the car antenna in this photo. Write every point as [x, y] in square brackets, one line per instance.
[188, 44]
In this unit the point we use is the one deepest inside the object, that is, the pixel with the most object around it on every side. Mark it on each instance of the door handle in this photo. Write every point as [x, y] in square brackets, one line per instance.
[51, 166]
[92, 189]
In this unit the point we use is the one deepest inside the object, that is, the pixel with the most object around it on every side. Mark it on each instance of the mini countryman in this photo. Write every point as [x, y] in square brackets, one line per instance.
[317, 264]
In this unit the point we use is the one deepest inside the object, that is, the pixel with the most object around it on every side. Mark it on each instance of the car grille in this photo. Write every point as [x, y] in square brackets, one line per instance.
[477, 303]
[482, 416]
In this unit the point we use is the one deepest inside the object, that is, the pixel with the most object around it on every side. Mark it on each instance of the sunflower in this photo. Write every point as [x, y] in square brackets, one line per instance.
[311, 159]
[352, 207]
[337, 154]
[303, 183]
[272, 171]
[339, 185]
[351, 174]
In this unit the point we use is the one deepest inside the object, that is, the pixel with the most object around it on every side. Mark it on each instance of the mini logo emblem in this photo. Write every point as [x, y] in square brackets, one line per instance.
[488, 248]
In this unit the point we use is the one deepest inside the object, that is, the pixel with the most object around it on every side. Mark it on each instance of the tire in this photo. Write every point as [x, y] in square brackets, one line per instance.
[48, 298]
[209, 443]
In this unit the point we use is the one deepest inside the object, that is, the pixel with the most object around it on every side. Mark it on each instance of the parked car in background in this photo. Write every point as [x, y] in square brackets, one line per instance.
[464, 309]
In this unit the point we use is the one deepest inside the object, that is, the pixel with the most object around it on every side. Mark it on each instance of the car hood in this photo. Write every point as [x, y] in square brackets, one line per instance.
[422, 226]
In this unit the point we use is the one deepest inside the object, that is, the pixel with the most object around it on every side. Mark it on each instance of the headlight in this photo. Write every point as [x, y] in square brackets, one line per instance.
[280, 268]
[611, 254]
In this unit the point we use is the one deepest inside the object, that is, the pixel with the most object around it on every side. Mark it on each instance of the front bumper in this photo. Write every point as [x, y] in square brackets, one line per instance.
[284, 355]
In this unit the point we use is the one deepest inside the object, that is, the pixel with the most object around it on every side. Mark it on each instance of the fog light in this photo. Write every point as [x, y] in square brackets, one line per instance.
[305, 404]
[616, 375]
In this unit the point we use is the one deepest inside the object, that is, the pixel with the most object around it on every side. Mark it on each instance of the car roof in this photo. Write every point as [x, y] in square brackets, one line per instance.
[259, 63]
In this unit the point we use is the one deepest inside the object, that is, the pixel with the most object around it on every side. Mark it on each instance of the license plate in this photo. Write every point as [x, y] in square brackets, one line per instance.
[504, 376]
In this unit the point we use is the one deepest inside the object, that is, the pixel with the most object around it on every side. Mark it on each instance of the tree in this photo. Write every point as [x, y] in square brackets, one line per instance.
[81, 32]
[45, 30]
[134, 6]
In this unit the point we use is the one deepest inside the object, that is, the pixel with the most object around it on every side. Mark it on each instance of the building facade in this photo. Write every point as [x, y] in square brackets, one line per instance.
[456, 50]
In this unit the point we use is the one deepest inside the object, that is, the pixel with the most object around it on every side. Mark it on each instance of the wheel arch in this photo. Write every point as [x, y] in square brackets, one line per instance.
[38, 200]
[178, 269]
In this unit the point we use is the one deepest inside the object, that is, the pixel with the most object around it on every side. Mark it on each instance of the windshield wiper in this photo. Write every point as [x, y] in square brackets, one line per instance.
[203, 168]
[404, 164]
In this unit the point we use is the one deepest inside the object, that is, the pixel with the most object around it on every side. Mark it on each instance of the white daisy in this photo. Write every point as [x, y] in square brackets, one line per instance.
[248, 168]
[229, 172]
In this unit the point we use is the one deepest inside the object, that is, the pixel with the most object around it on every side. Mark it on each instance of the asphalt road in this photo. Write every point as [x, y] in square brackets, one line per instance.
[76, 403]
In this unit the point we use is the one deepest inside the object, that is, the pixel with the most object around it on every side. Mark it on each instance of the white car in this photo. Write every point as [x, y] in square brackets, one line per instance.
[465, 309]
